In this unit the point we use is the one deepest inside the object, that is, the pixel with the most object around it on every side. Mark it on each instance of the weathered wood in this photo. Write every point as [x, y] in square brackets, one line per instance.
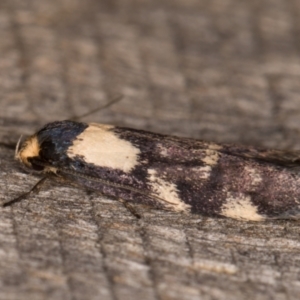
[224, 70]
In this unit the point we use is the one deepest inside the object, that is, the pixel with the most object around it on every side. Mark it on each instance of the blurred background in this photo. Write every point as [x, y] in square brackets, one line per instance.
[222, 70]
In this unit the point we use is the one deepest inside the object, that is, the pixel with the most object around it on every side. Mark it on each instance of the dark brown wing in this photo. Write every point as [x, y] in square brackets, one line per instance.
[283, 158]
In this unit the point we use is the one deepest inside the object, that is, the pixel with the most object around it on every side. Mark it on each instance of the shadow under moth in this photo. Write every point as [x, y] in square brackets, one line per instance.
[168, 172]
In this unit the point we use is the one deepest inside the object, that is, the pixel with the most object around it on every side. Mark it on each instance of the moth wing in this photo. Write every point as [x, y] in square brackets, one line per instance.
[281, 158]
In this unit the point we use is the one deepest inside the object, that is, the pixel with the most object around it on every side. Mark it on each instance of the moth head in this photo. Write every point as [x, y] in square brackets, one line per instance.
[47, 149]
[28, 153]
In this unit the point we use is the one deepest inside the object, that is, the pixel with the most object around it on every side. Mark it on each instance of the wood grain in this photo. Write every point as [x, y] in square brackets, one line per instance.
[223, 70]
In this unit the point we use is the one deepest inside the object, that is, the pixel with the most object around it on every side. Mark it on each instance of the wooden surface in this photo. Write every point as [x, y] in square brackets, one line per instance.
[223, 70]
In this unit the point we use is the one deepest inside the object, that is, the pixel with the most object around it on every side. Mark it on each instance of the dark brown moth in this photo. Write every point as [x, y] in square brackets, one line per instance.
[168, 172]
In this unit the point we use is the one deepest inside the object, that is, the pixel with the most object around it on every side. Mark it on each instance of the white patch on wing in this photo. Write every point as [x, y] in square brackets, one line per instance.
[99, 145]
[167, 191]
[239, 206]
[254, 175]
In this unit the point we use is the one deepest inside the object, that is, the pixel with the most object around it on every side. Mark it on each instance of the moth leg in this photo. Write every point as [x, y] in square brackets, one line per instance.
[130, 208]
[34, 190]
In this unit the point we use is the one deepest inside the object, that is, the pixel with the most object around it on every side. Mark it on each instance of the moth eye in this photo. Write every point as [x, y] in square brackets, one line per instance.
[35, 166]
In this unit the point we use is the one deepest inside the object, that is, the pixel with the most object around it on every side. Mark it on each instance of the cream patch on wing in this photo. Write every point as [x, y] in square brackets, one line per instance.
[239, 206]
[163, 151]
[213, 146]
[254, 175]
[99, 145]
[167, 191]
[211, 157]
[203, 172]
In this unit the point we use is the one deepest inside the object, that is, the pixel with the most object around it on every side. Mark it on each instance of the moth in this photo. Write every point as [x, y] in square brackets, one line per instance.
[168, 172]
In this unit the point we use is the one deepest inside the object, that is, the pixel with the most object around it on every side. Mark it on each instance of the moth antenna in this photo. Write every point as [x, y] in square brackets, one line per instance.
[18, 147]
[35, 189]
[110, 103]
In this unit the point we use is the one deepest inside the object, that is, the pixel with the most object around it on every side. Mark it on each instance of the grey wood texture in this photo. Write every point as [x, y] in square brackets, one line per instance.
[223, 70]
